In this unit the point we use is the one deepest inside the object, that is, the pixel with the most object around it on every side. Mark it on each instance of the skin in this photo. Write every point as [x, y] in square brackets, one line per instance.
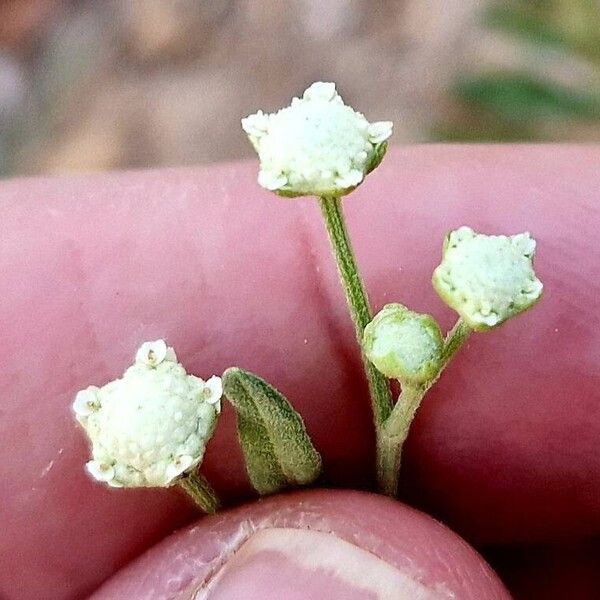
[311, 538]
[503, 450]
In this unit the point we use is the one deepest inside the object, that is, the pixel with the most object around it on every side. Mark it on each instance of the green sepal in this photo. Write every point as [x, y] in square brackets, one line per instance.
[277, 450]
[377, 157]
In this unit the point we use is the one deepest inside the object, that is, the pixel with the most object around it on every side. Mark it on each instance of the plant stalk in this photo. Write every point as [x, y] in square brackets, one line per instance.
[358, 304]
[394, 432]
[201, 492]
[356, 296]
[393, 435]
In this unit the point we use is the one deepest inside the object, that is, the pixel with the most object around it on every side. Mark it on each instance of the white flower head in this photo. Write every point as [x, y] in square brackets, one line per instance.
[317, 145]
[403, 344]
[151, 426]
[487, 278]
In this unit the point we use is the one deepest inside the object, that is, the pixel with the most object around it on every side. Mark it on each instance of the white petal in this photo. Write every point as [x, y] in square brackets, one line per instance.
[176, 468]
[380, 131]
[86, 402]
[525, 243]
[271, 181]
[320, 91]
[256, 125]
[352, 178]
[100, 471]
[152, 353]
[213, 390]
[463, 233]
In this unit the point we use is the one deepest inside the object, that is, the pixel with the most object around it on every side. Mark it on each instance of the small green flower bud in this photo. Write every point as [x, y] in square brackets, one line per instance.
[487, 278]
[403, 344]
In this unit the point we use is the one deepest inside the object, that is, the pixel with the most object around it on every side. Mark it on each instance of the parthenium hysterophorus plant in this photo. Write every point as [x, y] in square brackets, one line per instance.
[150, 427]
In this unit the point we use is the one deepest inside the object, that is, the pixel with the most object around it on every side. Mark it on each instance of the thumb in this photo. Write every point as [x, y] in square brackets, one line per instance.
[310, 545]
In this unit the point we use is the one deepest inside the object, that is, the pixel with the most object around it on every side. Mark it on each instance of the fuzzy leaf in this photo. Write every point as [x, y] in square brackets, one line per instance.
[277, 449]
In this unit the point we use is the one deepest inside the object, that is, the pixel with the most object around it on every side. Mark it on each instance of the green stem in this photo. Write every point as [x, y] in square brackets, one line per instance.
[456, 337]
[356, 296]
[394, 433]
[395, 429]
[201, 492]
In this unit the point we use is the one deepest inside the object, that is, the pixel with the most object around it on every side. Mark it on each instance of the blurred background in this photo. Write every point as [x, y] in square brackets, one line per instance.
[113, 84]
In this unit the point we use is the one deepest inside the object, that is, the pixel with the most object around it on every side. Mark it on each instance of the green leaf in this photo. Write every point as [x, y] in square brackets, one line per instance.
[277, 449]
[518, 97]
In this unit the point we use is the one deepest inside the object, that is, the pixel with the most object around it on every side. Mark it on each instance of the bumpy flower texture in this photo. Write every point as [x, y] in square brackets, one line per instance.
[403, 344]
[487, 278]
[150, 427]
[317, 146]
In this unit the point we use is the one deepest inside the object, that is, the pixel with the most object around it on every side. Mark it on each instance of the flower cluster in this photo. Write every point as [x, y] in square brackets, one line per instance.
[487, 278]
[151, 426]
[317, 146]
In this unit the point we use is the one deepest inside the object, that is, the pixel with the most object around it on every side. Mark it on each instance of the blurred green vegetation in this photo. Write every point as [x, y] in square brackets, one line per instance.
[531, 104]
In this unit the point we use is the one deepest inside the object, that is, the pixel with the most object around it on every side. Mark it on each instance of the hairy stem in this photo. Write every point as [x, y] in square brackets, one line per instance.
[456, 337]
[395, 429]
[201, 492]
[356, 296]
[394, 433]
